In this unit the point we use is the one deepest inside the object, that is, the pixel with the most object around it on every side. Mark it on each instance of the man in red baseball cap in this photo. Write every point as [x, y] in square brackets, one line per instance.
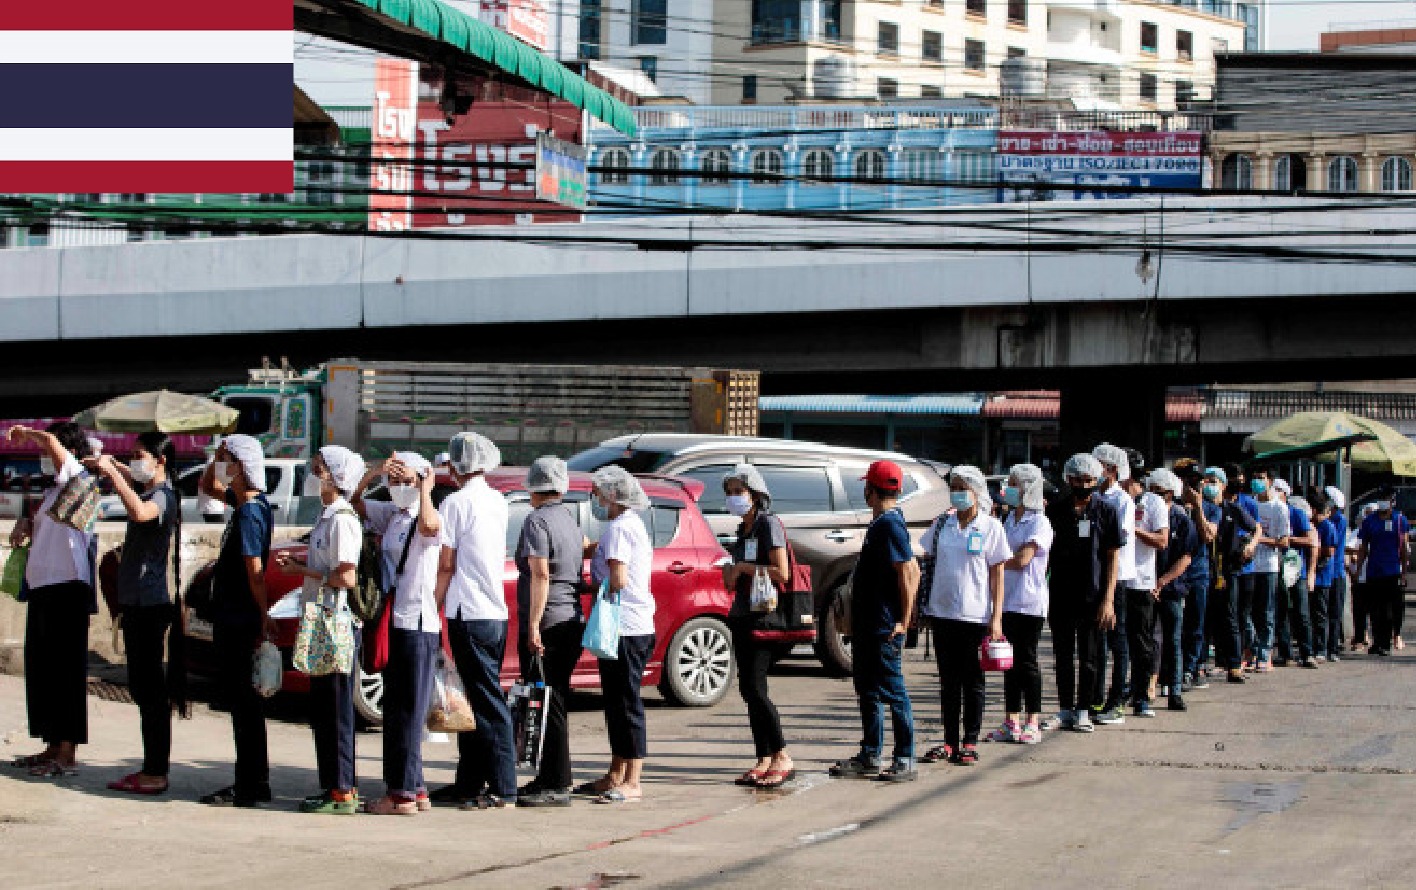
[882, 601]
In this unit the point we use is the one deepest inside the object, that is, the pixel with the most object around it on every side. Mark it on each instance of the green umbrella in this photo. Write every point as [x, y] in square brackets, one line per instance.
[1390, 452]
[162, 410]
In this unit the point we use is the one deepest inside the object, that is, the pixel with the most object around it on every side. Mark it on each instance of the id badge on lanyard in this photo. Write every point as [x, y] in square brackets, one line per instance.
[749, 550]
[1084, 528]
[974, 542]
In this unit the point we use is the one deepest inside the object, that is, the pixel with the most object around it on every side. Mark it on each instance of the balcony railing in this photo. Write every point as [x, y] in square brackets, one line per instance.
[811, 117]
[1125, 121]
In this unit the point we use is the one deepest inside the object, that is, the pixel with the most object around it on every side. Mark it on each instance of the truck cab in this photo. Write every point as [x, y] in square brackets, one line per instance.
[284, 414]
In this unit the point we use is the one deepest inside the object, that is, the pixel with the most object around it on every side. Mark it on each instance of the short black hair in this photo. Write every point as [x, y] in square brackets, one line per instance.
[159, 445]
[71, 436]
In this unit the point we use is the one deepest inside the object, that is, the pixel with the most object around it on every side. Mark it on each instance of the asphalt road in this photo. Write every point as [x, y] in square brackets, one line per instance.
[1297, 779]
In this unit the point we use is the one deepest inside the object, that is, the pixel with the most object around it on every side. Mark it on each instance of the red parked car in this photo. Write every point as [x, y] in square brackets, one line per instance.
[692, 663]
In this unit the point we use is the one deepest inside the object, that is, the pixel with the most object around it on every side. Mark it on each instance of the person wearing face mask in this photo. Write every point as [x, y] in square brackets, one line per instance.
[1233, 551]
[623, 561]
[1083, 562]
[1293, 621]
[1152, 532]
[1337, 568]
[150, 604]
[1116, 470]
[1172, 567]
[241, 604]
[212, 510]
[1327, 561]
[474, 524]
[1382, 556]
[1197, 629]
[964, 608]
[1271, 537]
[760, 545]
[61, 596]
[1025, 602]
[330, 571]
[409, 530]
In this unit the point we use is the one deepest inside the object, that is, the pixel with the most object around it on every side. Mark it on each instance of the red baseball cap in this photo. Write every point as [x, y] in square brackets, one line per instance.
[884, 475]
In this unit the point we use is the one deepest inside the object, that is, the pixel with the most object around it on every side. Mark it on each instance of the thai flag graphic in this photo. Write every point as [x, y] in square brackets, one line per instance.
[147, 96]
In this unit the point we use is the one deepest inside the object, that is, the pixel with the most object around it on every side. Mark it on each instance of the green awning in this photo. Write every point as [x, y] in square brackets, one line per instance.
[472, 36]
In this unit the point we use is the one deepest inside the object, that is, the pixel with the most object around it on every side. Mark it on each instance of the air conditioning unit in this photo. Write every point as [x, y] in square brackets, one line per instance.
[831, 78]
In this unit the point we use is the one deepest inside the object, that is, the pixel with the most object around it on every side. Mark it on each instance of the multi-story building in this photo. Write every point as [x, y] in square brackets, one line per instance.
[1395, 36]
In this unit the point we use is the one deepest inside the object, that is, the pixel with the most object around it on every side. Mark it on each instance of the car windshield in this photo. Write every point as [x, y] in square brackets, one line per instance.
[604, 455]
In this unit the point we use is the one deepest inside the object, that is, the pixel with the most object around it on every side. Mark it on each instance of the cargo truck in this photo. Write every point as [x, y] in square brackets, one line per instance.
[376, 408]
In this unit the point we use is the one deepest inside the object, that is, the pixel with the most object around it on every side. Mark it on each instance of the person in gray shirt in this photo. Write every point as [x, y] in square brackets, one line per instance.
[550, 558]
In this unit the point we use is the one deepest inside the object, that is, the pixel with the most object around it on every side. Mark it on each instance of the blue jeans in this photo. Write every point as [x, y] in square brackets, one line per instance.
[879, 682]
[1171, 610]
[1120, 651]
[1192, 633]
[1337, 605]
[1261, 609]
[486, 757]
[408, 687]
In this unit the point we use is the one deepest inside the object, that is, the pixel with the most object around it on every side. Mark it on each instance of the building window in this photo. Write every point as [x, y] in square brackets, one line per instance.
[1150, 38]
[888, 39]
[931, 92]
[665, 163]
[977, 8]
[818, 165]
[1017, 52]
[870, 165]
[931, 46]
[1150, 88]
[1396, 175]
[589, 29]
[716, 160]
[650, 22]
[1283, 173]
[1184, 95]
[973, 166]
[650, 66]
[1018, 12]
[887, 88]
[1236, 172]
[1184, 46]
[767, 166]
[922, 166]
[614, 167]
[749, 88]
[1342, 174]
[974, 54]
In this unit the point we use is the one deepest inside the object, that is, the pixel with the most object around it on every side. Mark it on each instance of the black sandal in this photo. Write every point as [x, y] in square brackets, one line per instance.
[967, 755]
[484, 802]
[937, 754]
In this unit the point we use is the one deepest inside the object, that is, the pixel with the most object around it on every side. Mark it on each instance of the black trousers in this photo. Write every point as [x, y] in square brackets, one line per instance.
[1115, 646]
[961, 680]
[620, 682]
[1361, 612]
[1076, 645]
[486, 757]
[145, 639]
[562, 644]
[235, 637]
[754, 660]
[1140, 612]
[332, 722]
[1386, 601]
[56, 662]
[1223, 608]
[1318, 599]
[408, 690]
[1022, 683]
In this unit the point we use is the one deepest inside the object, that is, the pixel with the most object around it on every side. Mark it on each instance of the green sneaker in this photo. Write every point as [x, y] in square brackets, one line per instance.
[324, 804]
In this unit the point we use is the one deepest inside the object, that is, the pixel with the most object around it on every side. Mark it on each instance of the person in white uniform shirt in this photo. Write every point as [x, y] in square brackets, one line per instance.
[1152, 534]
[410, 545]
[61, 597]
[964, 608]
[1025, 602]
[623, 561]
[1273, 532]
[1116, 470]
[330, 570]
[474, 523]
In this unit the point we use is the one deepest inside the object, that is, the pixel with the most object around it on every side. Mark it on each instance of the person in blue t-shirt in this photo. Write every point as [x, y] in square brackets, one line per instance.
[1384, 552]
[1293, 625]
[1201, 501]
[1327, 561]
[882, 606]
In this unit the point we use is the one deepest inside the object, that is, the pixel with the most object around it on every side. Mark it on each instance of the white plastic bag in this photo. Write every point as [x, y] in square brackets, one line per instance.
[764, 594]
[265, 669]
[451, 711]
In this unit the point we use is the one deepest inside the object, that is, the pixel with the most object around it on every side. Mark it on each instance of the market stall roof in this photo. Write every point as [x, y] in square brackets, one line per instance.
[432, 31]
[1324, 449]
[961, 403]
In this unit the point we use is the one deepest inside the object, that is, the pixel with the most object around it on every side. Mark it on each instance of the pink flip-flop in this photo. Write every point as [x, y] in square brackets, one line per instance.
[131, 784]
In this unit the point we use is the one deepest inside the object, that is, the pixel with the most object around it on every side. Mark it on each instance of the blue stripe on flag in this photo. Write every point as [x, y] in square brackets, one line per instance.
[147, 95]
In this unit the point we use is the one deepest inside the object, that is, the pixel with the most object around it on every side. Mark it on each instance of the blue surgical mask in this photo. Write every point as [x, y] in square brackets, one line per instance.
[1012, 495]
[738, 504]
[962, 500]
[599, 510]
[1258, 486]
[1211, 492]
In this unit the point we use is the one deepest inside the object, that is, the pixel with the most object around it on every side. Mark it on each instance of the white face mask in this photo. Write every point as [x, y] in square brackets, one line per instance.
[739, 504]
[404, 497]
[141, 470]
[225, 472]
[46, 466]
[313, 486]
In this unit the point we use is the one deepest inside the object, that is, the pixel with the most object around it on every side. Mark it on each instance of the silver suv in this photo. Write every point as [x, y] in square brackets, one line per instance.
[816, 490]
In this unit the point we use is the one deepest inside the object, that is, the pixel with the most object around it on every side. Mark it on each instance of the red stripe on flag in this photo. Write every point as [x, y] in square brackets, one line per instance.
[147, 177]
[148, 15]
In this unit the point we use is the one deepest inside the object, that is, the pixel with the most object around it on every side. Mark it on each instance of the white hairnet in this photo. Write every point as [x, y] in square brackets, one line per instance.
[1163, 478]
[1301, 503]
[345, 467]
[248, 452]
[1111, 454]
[616, 485]
[441, 459]
[1369, 508]
[414, 461]
[1029, 479]
[95, 445]
[1082, 464]
[1335, 497]
[1281, 485]
[751, 479]
[470, 453]
[973, 478]
[548, 475]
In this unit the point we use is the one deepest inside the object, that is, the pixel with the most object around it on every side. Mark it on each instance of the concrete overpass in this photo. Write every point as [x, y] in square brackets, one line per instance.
[1110, 302]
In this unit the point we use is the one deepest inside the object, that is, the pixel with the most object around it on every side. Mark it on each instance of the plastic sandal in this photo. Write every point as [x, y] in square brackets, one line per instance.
[588, 789]
[482, 802]
[776, 778]
[614, 795]
[1008, 732]
[53, 769]
[30, 760]
[751, 778]
[967, 756]
[937, 754]
[388, 806]
[132, 784]
[1030, 735]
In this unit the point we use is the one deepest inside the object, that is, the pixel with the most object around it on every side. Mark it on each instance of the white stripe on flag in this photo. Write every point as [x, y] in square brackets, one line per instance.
[170, 47]
[147, 144]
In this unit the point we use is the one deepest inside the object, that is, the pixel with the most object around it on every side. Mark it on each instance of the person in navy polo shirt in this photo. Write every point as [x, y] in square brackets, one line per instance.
[1384, 552]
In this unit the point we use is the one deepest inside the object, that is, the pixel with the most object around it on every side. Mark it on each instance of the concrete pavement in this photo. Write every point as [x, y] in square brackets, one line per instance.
[1297, 779]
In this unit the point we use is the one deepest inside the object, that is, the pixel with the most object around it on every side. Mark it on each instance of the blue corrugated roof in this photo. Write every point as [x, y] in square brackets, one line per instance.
[953, 403]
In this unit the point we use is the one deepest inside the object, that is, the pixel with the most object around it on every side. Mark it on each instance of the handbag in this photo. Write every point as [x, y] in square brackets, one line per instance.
[602, 631]
[324, 644]
[12, 579]
[374, 655]
[793, 619]
[76, 504]
[530, 702]
[996, 655]
[926, 571]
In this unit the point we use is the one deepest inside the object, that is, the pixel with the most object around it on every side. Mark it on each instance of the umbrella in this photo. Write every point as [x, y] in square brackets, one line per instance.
[1390, 452]
[161, 410]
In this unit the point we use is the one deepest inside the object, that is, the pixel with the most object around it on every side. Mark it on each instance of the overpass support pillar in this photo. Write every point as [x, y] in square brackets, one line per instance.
[1119, 407]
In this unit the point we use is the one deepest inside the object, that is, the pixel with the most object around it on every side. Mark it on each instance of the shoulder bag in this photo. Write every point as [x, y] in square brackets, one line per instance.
[76, 504]
[374, 654]
[792, 620]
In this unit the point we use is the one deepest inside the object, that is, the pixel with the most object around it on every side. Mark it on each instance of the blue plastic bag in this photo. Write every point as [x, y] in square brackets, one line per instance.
[602, 631]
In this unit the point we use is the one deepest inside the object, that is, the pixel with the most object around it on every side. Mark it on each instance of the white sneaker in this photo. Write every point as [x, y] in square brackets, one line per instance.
[1081, 722]
[1060, 720]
